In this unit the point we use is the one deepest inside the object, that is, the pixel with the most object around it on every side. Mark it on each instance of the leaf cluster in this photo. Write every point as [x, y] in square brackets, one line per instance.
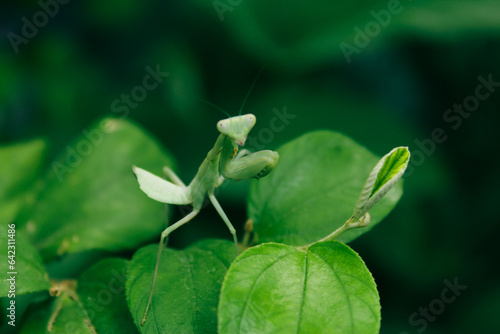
[296, 275]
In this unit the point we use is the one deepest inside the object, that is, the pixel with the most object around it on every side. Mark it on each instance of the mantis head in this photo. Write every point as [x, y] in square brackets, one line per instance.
[237, 128]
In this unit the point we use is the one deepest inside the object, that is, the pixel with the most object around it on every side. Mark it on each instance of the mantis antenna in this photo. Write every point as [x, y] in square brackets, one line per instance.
[213, 105]
[244, 101]
[250, 90]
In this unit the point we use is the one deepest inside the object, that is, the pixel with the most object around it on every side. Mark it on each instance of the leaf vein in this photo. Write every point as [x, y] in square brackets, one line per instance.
[301, 309]
[254, 285]
[344, 290]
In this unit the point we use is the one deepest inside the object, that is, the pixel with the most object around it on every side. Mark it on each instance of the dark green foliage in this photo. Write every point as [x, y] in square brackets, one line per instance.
[401, 87]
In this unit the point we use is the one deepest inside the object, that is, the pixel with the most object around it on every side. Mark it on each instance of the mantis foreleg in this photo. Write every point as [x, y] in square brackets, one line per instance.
[254, 165]
[242, 153]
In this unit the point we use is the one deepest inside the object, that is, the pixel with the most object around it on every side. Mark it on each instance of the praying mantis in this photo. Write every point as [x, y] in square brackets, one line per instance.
[223, 161]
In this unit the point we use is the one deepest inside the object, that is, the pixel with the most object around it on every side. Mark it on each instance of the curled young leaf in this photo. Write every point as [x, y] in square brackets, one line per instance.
[382, 178]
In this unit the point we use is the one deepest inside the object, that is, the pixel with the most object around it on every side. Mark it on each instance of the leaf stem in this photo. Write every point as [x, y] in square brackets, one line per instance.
[248, 231]
[351, 223]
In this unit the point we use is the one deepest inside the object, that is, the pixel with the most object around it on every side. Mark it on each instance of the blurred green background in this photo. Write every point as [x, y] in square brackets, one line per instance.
[382, 72]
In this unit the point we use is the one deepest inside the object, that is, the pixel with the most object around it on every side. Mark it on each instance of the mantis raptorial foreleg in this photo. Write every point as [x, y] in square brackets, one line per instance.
[165, 234]
[242, 153]
[253, 165]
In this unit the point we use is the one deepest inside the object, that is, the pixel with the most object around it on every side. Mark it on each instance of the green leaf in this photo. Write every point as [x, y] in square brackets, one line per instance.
[382, 178]
[274, 288]
[334, 31]
[30, 272]
[92, 200]
[102, 293]
[97, 306]
[20, 167]
[461, 17]
[187, 288]
[69, 316]
[313, 190]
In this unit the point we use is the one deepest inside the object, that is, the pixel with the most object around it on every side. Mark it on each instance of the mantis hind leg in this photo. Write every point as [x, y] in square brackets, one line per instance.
[225, 219]
[164, 234]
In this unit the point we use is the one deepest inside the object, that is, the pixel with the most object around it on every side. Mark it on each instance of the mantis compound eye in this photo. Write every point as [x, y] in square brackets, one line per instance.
[250, 120]
[221, 126]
